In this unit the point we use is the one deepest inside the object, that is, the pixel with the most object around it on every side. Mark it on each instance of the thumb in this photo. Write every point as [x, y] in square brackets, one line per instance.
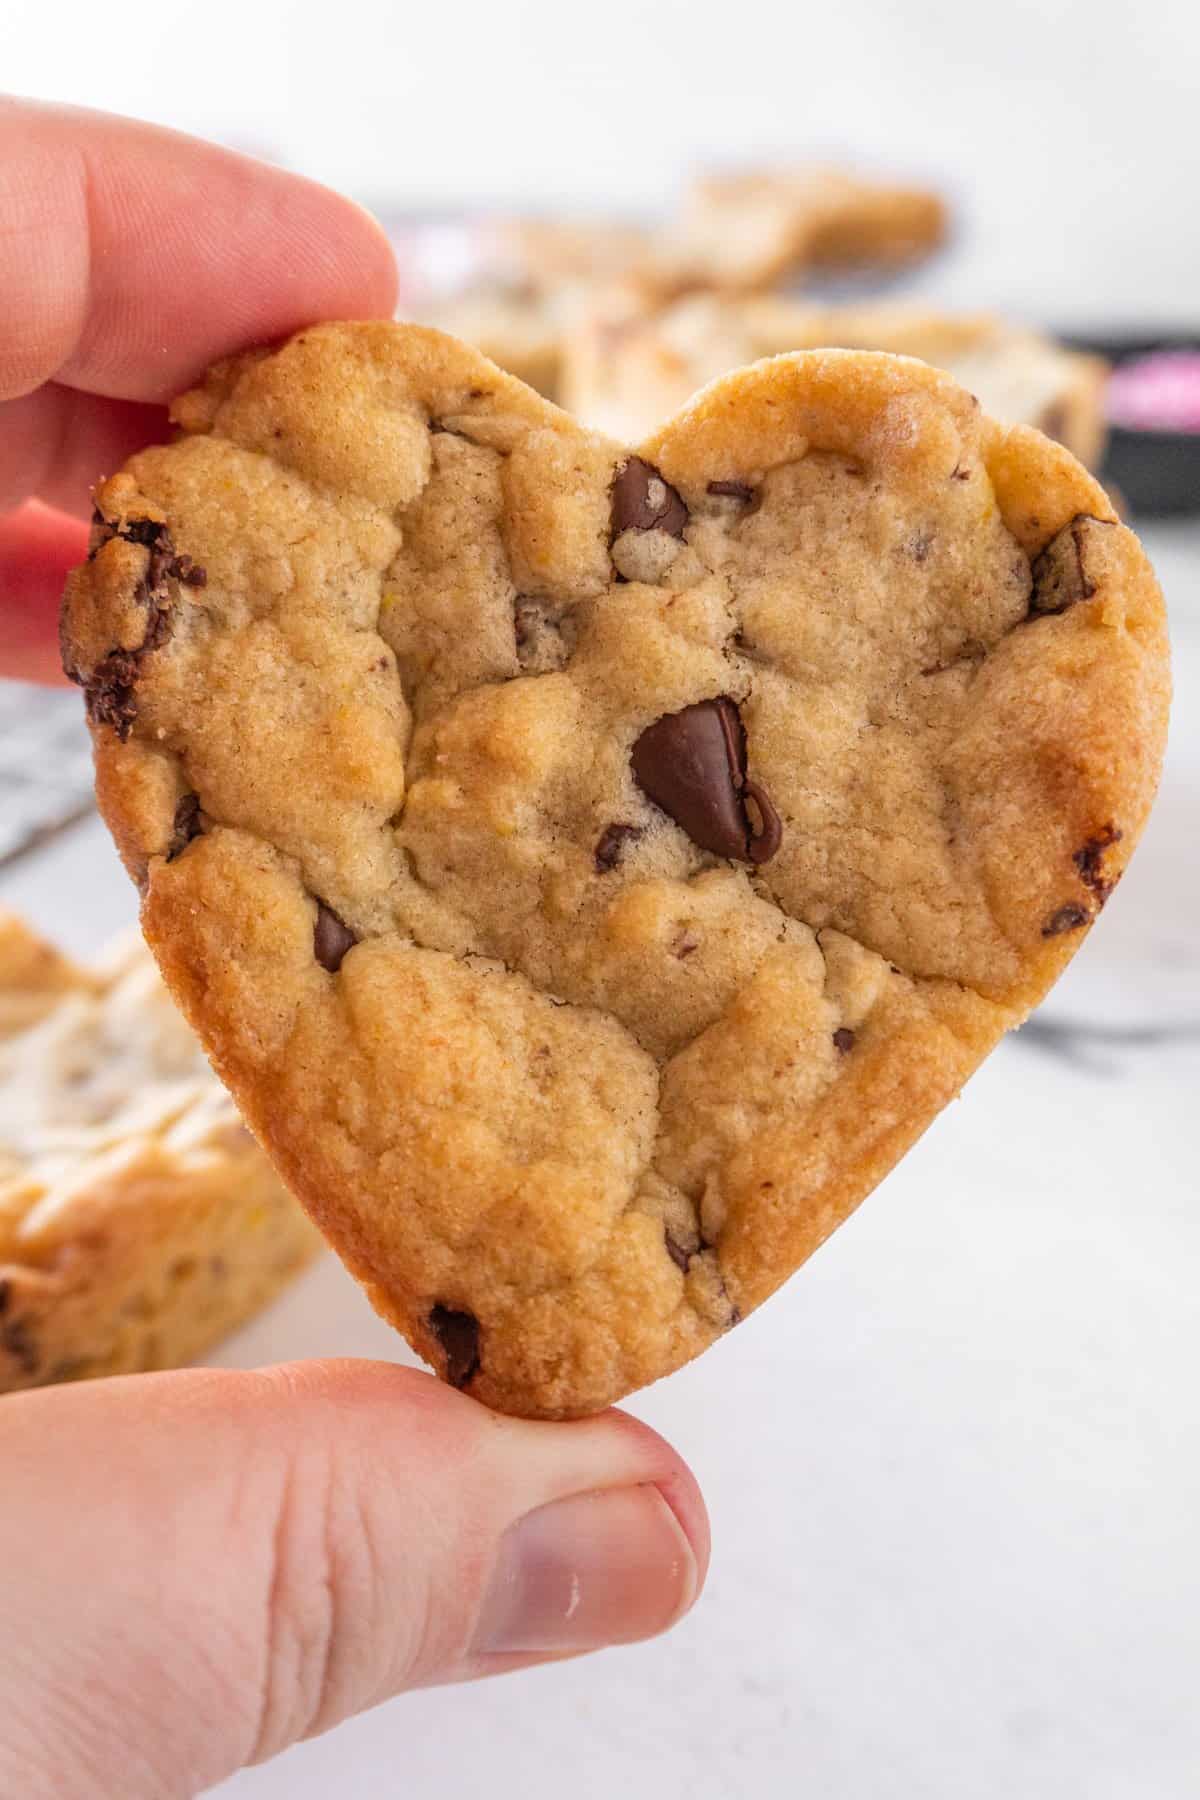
[204, 1567]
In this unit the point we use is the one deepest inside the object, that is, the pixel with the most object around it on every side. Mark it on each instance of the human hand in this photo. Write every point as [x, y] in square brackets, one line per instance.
[202, 1568]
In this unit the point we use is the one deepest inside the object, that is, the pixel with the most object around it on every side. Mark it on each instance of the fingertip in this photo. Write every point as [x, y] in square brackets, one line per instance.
[140, 256]
[678, 1486]
[339, 262]
[681, 1491]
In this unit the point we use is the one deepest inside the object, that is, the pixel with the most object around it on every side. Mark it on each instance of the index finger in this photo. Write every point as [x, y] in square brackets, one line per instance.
[131, 256]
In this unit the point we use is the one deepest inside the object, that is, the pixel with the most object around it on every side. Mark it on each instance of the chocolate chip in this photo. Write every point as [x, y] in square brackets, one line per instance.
[643, 501]
[732, 490]
[685, 944]
[1060, 574]
[678, 1255]
[331, 938]
[960, 472]
[1067, 918]
[185, 826]
[5, 1292]
[1089, 860]
[458, 1335]
[693, 764]
[610, 846]
[109, 691]
[190, 573]
[140, 531]
[843, 1040]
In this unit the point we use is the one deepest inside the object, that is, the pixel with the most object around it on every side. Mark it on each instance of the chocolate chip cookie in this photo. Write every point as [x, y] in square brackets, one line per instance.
[139, 1220]
[592, 868]
[745, 229]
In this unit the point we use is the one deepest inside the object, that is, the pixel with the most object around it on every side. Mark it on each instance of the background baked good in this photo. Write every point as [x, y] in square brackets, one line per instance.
[139, 1220]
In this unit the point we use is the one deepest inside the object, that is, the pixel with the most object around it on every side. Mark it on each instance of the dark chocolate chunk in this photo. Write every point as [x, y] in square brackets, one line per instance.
[458, 1334]
[1089, 860]
[1060, 574]
[732, 490]
[1067, 918]
[843, 1040]
[643, 501]
[5, 1291]
[961, 472]
[331, 938]
[190, 573]
[610, 846]
[109, 691]
[693, 764]
[142, 531]
[678, 1255]
[185, 827]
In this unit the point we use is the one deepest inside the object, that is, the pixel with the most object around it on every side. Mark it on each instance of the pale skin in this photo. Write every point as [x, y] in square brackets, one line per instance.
[202, 1568]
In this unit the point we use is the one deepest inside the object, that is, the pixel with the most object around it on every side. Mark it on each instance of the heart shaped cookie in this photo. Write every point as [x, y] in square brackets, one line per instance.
[591, 870]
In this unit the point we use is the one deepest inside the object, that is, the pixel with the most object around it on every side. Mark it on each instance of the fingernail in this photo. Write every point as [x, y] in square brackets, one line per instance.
[594, 1569]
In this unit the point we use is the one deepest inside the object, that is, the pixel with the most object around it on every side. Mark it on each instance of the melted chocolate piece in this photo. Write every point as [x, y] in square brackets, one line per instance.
[693, 765]
[643, 501]
[1060, 574]
[843, 1040]
[1067, 918]
[732, 490]
[1089, 860]
[109, 691]
[331, 938]
[458, 1335]
[610, 846]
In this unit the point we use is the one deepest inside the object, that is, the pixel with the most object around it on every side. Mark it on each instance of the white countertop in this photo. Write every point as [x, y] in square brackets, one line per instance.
[953, 1469]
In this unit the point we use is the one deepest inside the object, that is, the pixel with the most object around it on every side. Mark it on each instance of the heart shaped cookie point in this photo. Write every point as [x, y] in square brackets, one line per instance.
[633, 848]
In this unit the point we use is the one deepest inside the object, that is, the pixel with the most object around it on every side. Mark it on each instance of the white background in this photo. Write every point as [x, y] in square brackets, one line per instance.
[953, 1469]
[1065, 129]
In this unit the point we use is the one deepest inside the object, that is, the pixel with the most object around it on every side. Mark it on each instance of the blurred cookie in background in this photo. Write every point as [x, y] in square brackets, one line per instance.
[139, 1220]
[516, 286]
[751, 229]
[625, 370]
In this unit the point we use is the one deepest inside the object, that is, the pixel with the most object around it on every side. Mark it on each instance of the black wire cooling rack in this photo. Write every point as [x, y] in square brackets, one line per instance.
[45, 765]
